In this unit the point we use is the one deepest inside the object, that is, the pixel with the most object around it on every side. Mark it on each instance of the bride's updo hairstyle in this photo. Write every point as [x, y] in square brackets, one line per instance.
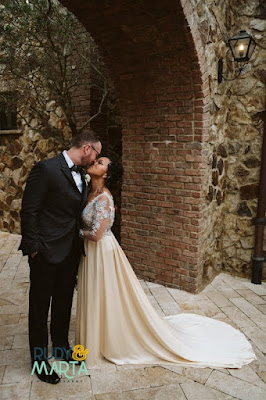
[114, 175]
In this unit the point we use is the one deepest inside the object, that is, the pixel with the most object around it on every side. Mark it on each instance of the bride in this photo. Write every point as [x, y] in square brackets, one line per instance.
[115, 319]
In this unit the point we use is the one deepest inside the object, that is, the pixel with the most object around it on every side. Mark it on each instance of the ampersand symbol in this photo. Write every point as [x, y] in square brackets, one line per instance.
[79, 353]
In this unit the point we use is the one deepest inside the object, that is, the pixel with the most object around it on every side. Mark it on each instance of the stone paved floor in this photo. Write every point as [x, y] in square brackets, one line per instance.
[233, 300]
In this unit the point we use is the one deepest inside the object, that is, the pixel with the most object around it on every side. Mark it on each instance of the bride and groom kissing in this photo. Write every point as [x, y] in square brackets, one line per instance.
[66, 230]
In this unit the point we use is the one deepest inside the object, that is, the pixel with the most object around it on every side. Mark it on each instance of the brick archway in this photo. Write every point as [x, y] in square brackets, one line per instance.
[157, 64]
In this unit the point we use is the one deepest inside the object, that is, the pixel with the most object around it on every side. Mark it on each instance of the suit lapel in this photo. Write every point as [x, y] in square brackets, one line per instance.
[66, 170]
[84, 190]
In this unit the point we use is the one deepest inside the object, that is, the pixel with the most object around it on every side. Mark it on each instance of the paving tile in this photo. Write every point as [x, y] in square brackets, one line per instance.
[16, 329]
[5, 303]
[245, 373]
[191, 307]
[187, 301]
[180, 294]
[259, 365]
[14, 357]
[17, 373]
[78, 389]
[110, 396]
[5, 284]
[152, 285]
[144, 286]
[15, 391]
[218, 278]
[257, 336]
[130, 379]
[229, 293]
[8, 273]
[222, 317]
[2, 371]
[4, 235]
[19, 286]
[229, 299]
[14, 308]
[235, 387]
[22, 275]
[9, 244]
[12, 262]
[260, 320]
[108, 366]
[155, 305]
[21, 342]
[6, 342]
[245, 306]
[258, 289]
[134, 366]
[261, 382]
[262, 375]
[196, 374]
[239, 318]
[14, 297]
[9, 319]
[233, 281]
[165, 300]
[262, 308]
[209, 308]
[168, 392]
[218, 298]
[250, 296]
[196, 391]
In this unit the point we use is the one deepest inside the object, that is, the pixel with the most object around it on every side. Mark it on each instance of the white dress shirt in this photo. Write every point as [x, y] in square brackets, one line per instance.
[76, 175]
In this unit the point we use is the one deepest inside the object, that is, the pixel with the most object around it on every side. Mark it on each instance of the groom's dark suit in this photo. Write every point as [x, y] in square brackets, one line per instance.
[50, 218]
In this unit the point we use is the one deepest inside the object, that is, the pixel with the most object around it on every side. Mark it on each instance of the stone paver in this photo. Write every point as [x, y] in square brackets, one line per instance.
[235, 387]
[230, 299]
[195, 391]
[15, 391]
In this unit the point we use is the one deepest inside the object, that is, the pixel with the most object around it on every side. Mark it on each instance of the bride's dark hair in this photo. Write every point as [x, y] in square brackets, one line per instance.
[114, 175]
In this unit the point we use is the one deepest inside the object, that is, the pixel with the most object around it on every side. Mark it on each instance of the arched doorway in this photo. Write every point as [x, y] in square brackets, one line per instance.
[159, 78]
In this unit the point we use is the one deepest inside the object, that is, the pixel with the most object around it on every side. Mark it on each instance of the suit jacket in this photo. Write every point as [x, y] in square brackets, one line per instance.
[51, 209]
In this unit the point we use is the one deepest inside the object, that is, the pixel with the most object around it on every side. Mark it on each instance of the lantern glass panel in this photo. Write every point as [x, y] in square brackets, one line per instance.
[251, 48]
[242, 46]
[239, 48]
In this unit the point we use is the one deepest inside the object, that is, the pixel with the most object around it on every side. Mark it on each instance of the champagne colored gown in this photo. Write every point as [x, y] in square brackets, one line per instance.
[115, 319]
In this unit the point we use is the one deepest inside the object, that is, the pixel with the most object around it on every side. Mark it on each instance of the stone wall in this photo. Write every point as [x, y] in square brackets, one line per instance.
[18, 153]
[235, 133]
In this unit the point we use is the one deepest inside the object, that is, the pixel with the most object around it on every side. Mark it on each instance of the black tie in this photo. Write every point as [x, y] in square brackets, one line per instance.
[76, 168]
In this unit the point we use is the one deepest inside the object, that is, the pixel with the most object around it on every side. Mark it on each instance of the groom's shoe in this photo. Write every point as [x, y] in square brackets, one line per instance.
[44, 367]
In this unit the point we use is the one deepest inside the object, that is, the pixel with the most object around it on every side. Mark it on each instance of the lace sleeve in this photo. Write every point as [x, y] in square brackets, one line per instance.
[101, 219]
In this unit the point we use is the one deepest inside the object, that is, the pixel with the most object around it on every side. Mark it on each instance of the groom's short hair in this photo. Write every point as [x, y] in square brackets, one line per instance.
[86, 136]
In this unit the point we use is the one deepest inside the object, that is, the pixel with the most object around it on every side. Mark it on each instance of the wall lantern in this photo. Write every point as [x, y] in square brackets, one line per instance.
[242, 47]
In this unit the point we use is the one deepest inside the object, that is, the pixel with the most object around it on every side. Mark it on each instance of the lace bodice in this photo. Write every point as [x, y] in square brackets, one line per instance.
[98, 216]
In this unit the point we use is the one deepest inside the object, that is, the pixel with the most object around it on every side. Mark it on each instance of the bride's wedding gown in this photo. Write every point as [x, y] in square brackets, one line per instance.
[115, 319]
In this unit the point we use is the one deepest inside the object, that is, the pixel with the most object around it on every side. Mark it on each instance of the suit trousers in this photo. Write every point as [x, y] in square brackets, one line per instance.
[51, 283]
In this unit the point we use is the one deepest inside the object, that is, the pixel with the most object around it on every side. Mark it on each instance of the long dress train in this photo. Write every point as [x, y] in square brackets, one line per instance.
[115, 319]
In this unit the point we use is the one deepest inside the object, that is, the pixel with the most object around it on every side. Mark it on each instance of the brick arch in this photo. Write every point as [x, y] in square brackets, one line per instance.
[157, 64]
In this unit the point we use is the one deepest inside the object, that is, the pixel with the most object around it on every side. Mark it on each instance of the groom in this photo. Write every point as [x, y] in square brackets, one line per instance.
[54, 197]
